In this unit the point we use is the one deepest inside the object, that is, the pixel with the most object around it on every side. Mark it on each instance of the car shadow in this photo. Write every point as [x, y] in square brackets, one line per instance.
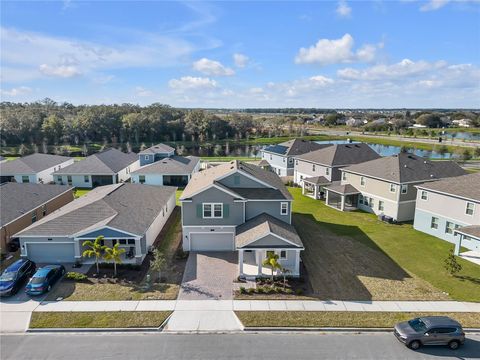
[470, 350]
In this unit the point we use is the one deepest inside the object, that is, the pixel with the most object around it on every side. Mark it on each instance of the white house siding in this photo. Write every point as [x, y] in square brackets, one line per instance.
[77, 180]
[31, 178]
[46, 175]
[288, 263]
[124, 174]
[160, 221]
[188, 231]
[304, 169]
[279, 164]
[150, 179]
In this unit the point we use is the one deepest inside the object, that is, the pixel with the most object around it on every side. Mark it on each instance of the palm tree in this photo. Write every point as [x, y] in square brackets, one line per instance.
[95, 249]
[272, 262]
[113, 254]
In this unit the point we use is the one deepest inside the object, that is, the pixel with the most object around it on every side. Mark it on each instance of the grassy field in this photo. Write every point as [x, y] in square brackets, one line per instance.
[353, 254]
[349, 319]
[81, 192]
[117, 319]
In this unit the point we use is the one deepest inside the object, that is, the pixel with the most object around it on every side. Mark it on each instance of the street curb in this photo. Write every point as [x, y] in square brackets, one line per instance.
[331, 329]
[91, 330]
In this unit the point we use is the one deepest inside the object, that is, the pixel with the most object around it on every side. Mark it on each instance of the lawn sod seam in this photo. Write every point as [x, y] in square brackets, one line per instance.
[95, 320]
[342, 319]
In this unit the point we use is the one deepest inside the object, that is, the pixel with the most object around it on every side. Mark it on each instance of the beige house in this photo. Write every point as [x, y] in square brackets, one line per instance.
[386, 186]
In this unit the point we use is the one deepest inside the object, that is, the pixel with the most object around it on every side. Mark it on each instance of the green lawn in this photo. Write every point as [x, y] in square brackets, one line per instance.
[341, 318]
[117, 319]
[81, 192]
[399, 250]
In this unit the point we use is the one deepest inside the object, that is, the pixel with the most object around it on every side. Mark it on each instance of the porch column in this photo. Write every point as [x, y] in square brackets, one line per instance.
[303, 187]
[315, 192]
[77, 248]
[138, 248]
[342, 204]
[240, 262]
[326, 196]
[458, 245]
[297, 262]
[258, 255]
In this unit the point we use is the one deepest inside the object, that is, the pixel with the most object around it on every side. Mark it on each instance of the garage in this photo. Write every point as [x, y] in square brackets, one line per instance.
[211, 242]
[52, 253]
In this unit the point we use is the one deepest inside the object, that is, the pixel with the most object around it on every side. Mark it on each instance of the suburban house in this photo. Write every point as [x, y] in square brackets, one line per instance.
[160, 166]
[107, 167]
[317, 169]
[23, 204]
[386, 186]
[281, 156]
[35, 168]
[240, 207]
[131, 215]
[155, 153]
[449, 208]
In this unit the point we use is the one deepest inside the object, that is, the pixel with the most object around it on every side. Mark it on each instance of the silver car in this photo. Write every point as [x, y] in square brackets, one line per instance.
[430, 330]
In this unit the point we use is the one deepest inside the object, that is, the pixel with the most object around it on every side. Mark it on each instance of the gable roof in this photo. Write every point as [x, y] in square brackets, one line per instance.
[317, 180]
[263, 225]
[294, 147]
[109, 161]
[405, 168]
[341, 155]
[345, 189]
[206, 178]
[126, 207]
[466, 186]
[32, 164]
[470, 230]
[157, 149]
[171, 165]
[18, 199]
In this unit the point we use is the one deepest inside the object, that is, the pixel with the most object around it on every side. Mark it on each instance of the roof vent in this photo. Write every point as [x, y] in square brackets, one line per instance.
[424, 161]
[405, 165]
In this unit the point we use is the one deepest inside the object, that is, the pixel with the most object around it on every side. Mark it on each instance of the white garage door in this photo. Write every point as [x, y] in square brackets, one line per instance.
[211, 242]
[53, 253]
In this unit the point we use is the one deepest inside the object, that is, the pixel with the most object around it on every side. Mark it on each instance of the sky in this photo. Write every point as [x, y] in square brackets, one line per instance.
[239, 54]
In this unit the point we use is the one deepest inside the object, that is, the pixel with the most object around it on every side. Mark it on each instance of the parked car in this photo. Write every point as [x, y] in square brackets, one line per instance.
[430, 330]
[44, 279]
[14, 276]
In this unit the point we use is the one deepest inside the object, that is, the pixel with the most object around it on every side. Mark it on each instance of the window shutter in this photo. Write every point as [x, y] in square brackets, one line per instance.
[199, 210]
[226, 211]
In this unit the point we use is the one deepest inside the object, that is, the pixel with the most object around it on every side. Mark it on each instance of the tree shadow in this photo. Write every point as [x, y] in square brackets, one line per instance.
[471, 279]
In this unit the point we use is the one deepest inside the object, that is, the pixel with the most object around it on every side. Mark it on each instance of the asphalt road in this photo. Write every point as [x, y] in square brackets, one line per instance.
[235, 346]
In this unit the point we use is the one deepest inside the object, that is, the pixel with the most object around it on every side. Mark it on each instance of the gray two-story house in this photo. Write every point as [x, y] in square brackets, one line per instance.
[240, 207]
[281, 156]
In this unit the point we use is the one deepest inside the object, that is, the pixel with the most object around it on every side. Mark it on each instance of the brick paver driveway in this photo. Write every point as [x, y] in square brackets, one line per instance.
[209, 276]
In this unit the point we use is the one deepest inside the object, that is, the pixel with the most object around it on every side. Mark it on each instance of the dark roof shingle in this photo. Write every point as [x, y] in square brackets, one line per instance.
[341, 154]
[173, 165]
[294, 147]
[32, 164]
[157, 149]
[466, 186]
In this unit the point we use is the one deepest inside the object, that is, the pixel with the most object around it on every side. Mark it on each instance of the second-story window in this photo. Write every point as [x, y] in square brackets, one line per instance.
[313, 167]
[424, 195]
[362, 181]
[470, 208]
[404, 189]
[393, 188]
[284, 208]
[327, 171]
[296, 162]
[344, 175]
[147, 157]
[212, 210]
[290, 160]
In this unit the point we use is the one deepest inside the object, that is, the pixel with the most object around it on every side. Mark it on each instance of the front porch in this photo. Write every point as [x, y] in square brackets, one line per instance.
[250, 263]
[342, 197]
[314, 187]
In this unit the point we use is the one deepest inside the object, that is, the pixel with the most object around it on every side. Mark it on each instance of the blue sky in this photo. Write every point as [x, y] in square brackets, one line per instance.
[243, 54]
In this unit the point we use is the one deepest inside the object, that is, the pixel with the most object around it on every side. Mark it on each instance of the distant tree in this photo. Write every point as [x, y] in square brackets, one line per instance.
[476, 152]
[53, 127]
[442, 150]
[465, 154]
[429, 120]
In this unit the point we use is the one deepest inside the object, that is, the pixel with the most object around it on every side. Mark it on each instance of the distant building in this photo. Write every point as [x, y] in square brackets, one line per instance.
[466, 123]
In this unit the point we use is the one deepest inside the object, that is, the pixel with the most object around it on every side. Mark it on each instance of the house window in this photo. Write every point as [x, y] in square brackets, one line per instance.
[360, 199]
[434, 223]
[269, 253]
[44, 209]
[212, 210]
[283, 254]
[34, 216]
[131, 241]
[296, 162]
[327, 171]
[290, 160]
[141, 179]
[371, 202]
[69, 180]
[284, 208]
[25, 179]
[270, 157]
[424, 195]
[449, 227]
[381, 205]
[301, 177]
[313, 167]
[236, 179]
[470, 208]
[344, 176]
[123, 241]
[86, 178]
[393, 188]
[147, 157]
[362, 181]
[59, 179]
[404, 189]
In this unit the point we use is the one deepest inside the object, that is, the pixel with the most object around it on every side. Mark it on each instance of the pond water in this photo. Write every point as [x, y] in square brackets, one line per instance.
[462, 135]
[254, 150]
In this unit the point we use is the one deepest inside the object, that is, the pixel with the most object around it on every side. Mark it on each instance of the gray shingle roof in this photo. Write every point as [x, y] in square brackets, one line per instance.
[346, 189]
[18, 199]
[341, 155]
[206, 178]
[317, 180]
[31, 164]
[106, 162]
[294, 147]
[175, 165]
[263, 225]
[158, 149]
[466, 186]
[405, 168]
[128, 207]
[471, 230]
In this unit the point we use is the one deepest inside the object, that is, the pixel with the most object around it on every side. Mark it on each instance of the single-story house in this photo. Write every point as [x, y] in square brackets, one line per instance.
[131, 215]
[110, 166]
[35, 168]
[24, 204]
[155, 153]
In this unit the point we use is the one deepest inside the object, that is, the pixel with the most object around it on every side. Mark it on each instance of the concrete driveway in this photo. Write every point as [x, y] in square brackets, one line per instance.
[209, 276]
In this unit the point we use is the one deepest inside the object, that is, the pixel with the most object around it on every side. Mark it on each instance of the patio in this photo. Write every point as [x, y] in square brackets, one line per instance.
[342, 197]
[314, 187]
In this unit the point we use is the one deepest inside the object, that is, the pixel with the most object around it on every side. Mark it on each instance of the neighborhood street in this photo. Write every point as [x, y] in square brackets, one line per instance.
[235, 346]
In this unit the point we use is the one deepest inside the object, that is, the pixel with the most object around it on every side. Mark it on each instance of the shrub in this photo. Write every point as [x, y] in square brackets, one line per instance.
[242, 290]
[260, 289]
[72, 275]
[299, 291]
[250, 290]
[288, 291]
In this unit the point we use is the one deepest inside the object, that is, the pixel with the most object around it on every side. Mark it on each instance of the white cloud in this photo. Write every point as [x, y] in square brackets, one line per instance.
[433, 5]
[240, 60]
[65, 71]
[212, 68]
[256, 90]
[21, 90]
[142, 92]
[343, 9]
[336, 51]
[186, 83]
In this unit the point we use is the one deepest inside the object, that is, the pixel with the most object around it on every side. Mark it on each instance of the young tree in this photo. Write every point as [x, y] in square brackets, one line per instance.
[158, 263]
[451, 264]
[285, 272]
[113, 254]
[272, 262]
[95, 249]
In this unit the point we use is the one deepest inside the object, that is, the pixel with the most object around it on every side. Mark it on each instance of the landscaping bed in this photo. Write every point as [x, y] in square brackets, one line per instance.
[107, 319]
[342, 319]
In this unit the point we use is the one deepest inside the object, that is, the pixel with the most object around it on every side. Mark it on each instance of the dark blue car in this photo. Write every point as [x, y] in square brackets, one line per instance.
[14, 276]
[44, 279]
